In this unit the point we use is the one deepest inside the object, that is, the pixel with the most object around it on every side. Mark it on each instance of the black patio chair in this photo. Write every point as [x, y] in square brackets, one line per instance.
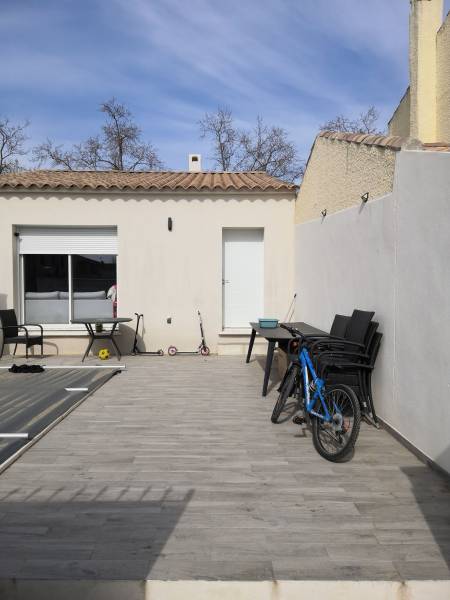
[10, 328]
[337, 332]
[355, 336]
[355, 369]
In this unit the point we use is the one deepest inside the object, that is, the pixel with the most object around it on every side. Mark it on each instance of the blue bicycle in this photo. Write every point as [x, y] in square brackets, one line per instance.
[332, 410]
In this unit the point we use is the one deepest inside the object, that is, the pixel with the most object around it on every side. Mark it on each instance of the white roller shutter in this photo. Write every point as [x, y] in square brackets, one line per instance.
[67, 240]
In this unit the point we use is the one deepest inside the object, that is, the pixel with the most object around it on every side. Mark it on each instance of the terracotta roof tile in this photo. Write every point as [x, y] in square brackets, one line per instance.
[144, 180]
[394, 142]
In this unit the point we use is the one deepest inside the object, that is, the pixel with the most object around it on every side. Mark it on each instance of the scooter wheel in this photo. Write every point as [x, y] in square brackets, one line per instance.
[171, 351]
[161, 352]
[205, 351]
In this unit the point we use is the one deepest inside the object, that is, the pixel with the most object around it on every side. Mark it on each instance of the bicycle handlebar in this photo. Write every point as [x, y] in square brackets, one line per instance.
[294, 332]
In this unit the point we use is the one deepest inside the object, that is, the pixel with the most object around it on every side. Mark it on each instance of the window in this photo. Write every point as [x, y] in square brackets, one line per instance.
[46, 279]
[59, 283]
[94, 286]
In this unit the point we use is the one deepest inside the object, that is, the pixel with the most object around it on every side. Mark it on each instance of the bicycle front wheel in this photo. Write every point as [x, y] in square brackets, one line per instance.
[285, 391]
[335, 440]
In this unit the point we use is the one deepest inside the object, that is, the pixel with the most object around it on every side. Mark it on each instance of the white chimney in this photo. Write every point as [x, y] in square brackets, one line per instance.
[195, 163]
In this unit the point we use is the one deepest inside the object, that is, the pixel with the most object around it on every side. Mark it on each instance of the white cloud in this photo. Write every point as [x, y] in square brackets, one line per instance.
[296, 62]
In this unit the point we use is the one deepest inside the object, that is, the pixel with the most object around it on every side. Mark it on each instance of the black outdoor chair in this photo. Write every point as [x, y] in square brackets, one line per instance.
[10, 329]
[355, 349]
[351, 343]
[337, 331]
[354, 339]
[355, 369]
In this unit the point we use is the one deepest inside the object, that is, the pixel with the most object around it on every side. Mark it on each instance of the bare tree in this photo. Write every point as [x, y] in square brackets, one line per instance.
[119, 147]
[268, 148]
[264, 148]
[12, 140]
[366, 123]
[219, 127]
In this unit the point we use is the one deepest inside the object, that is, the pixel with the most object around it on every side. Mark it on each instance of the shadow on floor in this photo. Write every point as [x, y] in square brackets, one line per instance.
[85, 535]
[432, 492]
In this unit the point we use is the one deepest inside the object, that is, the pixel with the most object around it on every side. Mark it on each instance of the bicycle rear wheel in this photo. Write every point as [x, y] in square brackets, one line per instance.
[334, 441]
[285, 391]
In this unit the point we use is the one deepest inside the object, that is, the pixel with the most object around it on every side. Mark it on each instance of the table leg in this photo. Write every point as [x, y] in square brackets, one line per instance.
[111, 337]
[269, 360]
[250, 346]
[91, 341]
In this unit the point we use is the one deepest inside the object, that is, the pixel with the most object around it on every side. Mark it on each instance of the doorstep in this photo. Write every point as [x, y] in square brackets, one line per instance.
[243, 331]
[234, 342]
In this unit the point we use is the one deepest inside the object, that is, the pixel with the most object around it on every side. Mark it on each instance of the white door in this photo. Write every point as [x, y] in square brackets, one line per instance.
[243, 276]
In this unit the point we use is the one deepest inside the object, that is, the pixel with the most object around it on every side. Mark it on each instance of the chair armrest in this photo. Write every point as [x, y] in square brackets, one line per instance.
[36, 325]
[16, 327]
[4, 327]
[351, 365]
[333, 354]
[25, 329]
[338, 343]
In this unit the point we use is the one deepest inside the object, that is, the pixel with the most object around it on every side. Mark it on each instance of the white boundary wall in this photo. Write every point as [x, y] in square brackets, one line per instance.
[392, 256]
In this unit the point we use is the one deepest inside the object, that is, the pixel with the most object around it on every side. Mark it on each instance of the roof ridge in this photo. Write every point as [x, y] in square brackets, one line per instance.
[145, 180]
[125, 172]
[393, 142]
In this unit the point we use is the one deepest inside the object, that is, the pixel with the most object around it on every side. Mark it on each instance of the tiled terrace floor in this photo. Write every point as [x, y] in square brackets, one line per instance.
[173, 470]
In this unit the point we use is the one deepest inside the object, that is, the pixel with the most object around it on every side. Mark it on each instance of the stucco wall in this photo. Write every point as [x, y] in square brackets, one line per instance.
[391, 256]
[399, 123]
[339, 173]
[443, 84]
[162, 273]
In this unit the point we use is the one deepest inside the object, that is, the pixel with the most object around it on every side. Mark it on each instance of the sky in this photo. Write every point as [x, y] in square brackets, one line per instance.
[296, 63]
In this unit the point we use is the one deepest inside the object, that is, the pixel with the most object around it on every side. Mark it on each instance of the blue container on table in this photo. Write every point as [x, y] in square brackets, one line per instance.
[268, 323]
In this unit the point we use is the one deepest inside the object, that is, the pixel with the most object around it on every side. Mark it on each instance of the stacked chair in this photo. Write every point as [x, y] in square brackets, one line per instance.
[348, 355]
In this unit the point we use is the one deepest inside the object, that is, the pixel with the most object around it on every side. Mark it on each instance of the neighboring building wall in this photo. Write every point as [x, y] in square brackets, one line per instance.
[399, 123]
[162, 273]
[425, 21]
[339, 173]
[443, 86]
[391, 256]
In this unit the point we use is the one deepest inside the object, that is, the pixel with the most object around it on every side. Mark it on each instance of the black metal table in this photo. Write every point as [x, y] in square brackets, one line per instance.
[91, 324]
[275, 336]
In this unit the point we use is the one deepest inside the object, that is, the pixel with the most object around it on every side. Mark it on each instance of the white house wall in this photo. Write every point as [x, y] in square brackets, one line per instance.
[392, 256]
[161, 273]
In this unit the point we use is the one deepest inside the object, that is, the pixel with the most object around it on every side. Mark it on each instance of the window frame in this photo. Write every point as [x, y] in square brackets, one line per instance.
[56, 328]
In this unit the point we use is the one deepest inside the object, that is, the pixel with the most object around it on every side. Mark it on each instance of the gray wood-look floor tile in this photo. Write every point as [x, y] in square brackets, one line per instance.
[173, 470]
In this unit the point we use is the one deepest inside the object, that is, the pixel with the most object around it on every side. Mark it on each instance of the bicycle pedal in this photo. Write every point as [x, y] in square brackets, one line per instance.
[299, 420]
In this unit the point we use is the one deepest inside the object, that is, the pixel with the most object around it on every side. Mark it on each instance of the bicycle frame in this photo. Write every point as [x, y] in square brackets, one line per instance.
[307, 367]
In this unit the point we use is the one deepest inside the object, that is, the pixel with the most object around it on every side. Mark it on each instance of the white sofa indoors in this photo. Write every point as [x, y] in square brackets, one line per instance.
[53, 307]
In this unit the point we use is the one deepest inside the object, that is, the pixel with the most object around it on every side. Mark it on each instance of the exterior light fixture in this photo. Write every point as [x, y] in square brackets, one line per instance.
[324, 213]
[169, 223]
[365, 197]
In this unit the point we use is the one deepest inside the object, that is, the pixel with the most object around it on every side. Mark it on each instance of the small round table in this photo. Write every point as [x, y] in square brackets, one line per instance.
[91, 323]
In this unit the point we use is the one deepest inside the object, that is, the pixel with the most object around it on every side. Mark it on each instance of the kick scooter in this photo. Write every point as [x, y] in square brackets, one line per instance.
[202, 349]
[135, 351]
